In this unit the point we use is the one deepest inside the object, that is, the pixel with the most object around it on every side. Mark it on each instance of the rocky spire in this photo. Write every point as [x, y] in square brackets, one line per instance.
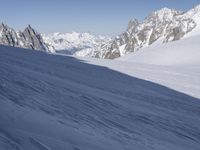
[132, 25]
[29, 38]
[33, 39]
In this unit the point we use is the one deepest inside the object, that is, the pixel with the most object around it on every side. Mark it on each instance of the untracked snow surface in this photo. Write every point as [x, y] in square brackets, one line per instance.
[182, 52]
[50, 102]
[175, 65]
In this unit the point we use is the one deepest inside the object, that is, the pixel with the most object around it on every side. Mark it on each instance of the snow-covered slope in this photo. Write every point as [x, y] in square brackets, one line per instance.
[182, 52]
[58, 103]
[195, 15]
[175, 64]
[72, 43]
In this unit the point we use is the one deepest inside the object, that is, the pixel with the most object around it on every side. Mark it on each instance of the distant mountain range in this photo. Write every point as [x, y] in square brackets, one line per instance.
[161, 26]
[73, 43]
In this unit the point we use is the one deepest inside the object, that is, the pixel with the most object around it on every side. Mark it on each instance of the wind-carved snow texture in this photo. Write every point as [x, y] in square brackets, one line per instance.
[58, 103]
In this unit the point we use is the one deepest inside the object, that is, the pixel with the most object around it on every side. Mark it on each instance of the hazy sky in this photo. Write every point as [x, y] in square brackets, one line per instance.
[107, 17]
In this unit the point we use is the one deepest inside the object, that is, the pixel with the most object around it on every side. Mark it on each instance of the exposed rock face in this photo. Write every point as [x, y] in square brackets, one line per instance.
[165, 24]
[29, 38]
[8, 36]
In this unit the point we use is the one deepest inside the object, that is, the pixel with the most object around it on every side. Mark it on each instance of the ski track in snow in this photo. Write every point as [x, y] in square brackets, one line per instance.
[59, 102]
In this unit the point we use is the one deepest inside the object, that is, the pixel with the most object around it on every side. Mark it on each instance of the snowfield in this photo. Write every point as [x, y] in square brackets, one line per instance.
[53, 102]
[182, 52]
[175, 65]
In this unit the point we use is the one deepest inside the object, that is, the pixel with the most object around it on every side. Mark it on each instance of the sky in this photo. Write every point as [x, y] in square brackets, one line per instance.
[105, 17]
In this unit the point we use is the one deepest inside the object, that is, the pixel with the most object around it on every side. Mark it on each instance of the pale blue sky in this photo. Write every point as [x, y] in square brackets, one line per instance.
[107, 17]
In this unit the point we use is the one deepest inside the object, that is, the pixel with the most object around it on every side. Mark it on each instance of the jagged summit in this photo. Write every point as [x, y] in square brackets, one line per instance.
[132, 24]
[197, 8]
[195, 11]
[164, 14]
[166, 10]
[34, 38]
[161, 26]
[2, 24]
[164, 25]
[29, 38]
[30, 29]
[7, 35]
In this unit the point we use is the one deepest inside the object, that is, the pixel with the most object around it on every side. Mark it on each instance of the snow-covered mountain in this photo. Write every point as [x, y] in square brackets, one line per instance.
[73, 43]
[161, 26]
[29, 38]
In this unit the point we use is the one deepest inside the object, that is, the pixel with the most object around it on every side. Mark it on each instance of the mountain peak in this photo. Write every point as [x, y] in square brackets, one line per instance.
[132, 24]
[165, 14]
[2, 24]
[197, 7]
[27, 39]
[164, 9]
[163, 25]
[29, 28]
[194, 11]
